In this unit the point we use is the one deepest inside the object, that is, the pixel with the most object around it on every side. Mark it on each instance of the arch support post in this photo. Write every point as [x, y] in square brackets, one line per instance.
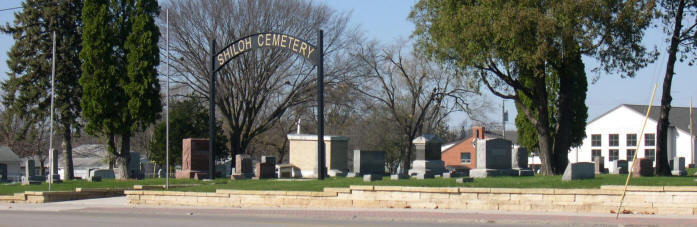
[321, 159]
[211, 116]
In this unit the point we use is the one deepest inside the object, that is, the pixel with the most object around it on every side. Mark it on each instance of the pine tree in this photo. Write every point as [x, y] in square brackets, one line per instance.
[29, 83]
[120, 56]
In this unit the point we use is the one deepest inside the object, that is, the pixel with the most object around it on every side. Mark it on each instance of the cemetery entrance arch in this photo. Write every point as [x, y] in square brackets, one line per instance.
[311, 53]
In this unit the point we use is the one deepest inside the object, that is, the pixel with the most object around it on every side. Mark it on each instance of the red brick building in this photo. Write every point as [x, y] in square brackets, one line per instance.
[462, 152]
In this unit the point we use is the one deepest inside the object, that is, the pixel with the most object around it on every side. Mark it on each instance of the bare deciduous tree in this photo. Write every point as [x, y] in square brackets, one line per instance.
[257, 88]
[417, 93]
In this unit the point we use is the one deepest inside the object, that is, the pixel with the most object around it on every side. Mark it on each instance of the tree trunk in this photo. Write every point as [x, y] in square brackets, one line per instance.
[662, 166]
[68, 171]
[406, 159]
[123, 158]
[111, 149]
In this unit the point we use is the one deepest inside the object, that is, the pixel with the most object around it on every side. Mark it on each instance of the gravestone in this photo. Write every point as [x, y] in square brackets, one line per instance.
[368, 162]
[3, 172]
[266, 168]
[103, 174]
[288, 171]
[618, 167]
[599, 164]
[30, 174]
[194, 158]
[493, 158]
[244, 168]
[446, 175]
[519, 161]
[579, 170]
[464, 180]
[161, 173]
[371, 177]
[134, 166]
[679, 167]
[54, 173]
[398, 177]
[644, 168]
[95, 179]
[427, 161]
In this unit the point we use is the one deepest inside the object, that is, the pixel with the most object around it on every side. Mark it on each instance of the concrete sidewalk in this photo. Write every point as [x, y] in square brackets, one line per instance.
[119, 205]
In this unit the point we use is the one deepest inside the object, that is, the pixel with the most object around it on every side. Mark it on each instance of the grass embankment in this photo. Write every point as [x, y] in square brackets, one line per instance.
[315, 185]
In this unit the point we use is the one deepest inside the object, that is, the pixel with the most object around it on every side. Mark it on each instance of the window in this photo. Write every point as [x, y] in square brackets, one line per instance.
[596, 140]
[650, 139]
[614, 154]
[631, 139]
[630, 154]
[614, 140]
[595, 153]
[650, 153]
[466, 158]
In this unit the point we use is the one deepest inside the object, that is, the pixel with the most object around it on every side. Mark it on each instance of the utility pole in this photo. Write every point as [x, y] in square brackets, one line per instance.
[692, 138]
[167, 111]
[504, 117]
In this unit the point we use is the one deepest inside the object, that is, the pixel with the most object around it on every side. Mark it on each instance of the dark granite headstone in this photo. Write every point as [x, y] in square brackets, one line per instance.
[244, 168]
[643, 168]
[427, 160]
[368, 162]
[194, 158]
[3, 172]
[493, 158]
[266, 168]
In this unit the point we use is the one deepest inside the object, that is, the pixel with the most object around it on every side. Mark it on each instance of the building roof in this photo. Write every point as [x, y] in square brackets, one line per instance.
[7, 155]
[510, 135]
[87, 156]
[679, 116]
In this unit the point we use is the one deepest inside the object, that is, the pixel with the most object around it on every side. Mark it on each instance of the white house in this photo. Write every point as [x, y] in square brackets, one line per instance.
[615, 134]
[11, 162]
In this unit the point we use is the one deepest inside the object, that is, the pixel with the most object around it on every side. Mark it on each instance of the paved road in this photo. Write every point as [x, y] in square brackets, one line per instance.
[116, 212]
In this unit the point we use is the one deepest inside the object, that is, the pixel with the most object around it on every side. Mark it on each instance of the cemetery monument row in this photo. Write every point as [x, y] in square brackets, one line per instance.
[194, 158]
[427, 162]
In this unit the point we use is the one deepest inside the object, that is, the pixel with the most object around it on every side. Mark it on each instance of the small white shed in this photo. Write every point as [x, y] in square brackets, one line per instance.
[11, 160]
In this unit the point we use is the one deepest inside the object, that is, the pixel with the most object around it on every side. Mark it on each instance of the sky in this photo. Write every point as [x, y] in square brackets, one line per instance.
[386, 21]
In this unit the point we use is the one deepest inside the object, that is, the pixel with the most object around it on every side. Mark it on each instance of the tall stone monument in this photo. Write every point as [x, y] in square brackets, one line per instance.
[194, 158]
[519, 161]
[302, 155]
[54, 171]
[427, 162]
[493, 158]
[679, 167]
[599, 164]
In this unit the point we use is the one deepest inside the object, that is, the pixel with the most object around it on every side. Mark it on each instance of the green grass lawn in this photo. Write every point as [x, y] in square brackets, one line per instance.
[315, 185]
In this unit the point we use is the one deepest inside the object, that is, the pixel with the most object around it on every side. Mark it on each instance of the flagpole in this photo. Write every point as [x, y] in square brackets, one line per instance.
[53, 92]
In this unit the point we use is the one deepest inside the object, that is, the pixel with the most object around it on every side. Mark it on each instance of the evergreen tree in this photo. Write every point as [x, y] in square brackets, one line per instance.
[120, 56]
[188, 118]
[29, 84]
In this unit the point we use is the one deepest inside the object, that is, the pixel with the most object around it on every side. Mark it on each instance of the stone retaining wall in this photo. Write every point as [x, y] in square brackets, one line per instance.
[54, 196]
[668, 200]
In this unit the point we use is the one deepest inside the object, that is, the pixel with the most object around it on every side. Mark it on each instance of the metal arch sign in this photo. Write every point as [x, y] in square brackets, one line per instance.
[274, 40]
[313, 54]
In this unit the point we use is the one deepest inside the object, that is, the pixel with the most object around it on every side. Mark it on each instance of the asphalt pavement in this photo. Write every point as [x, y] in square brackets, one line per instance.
[117, 212]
